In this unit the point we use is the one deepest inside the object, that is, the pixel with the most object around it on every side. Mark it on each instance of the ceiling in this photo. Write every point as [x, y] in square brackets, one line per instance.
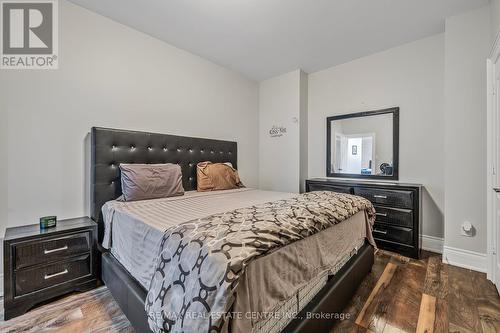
[264, 38]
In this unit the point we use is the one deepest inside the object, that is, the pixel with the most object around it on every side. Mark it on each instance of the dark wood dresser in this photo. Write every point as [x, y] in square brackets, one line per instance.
[42, 264]
[398, 205]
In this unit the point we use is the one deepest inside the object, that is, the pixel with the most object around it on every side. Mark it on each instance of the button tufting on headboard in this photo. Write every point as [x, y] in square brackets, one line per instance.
[110, 147]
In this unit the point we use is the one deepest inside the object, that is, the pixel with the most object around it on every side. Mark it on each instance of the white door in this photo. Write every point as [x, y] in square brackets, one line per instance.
[354, 153]
[493, 181]
[496, 176]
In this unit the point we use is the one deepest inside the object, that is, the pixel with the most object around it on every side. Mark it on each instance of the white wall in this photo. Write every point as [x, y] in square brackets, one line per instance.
[467, 46]
[109, 75]
[409, 76]
[279, 157]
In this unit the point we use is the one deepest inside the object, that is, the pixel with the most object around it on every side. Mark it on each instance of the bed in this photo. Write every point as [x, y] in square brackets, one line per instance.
[334, 260]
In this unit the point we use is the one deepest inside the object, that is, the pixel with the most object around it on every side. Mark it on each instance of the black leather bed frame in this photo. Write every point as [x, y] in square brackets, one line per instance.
[110, 147]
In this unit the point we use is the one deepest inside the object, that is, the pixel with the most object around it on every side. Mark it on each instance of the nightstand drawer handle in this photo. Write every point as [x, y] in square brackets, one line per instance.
[50, 276]
[381, 214]
[380, 196]
[65, 247]
[380, 232]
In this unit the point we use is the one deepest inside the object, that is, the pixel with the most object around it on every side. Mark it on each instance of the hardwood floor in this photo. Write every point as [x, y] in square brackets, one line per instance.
[399, 295]
[92, 311]
[406, 295]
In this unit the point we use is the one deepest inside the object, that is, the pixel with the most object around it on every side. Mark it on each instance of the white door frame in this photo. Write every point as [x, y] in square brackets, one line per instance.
[493, 177]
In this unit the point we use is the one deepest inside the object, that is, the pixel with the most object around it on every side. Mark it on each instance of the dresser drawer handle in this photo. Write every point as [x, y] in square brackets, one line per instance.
[65, 247]
[380, 231]
[380, 196]
[381, 214]
[50, 276]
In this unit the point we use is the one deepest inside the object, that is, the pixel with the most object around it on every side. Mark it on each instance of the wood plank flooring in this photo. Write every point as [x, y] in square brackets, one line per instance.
[399, 295]
[407, 295]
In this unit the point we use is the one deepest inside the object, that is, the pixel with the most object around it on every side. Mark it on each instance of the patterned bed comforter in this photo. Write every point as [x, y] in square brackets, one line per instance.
[199, 262]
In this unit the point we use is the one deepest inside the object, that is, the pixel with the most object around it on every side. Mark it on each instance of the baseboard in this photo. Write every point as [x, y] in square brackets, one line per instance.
[432, 244]
[464, 258]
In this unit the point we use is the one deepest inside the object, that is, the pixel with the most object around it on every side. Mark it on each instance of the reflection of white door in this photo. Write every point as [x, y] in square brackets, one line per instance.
[354, 155]
[493, 181]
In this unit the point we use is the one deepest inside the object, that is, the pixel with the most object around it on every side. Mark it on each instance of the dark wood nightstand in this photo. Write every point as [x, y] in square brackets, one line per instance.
[42, 264]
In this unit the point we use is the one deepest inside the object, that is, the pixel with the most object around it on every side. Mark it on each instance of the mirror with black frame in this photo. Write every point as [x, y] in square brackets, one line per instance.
[363, 145]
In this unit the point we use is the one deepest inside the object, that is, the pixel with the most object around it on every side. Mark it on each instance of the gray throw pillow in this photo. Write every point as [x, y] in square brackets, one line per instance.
[150, 181]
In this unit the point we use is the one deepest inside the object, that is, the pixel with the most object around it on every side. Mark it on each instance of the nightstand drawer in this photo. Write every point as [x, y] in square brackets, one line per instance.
[395, 198]
[32, 279]
[40, 251]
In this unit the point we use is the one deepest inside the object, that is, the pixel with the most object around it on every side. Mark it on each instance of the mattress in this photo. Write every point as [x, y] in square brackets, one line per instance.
[287, 278]
[133, 230]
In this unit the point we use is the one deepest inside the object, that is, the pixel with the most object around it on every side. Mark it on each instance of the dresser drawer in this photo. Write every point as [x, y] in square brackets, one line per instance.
[393, 233]
[394, 216]
[332, 188]
[395, 198]
[40, 251]
[32, 279]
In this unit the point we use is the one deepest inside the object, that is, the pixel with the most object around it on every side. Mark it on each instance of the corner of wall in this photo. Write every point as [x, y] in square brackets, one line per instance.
[303, 118]
[283, 155]
[467, 45]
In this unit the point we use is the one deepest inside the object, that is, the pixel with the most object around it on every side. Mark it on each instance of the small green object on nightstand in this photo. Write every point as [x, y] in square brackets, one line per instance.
[48, 222]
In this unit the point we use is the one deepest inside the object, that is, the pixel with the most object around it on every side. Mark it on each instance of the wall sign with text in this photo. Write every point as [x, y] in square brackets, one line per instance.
[277, 131]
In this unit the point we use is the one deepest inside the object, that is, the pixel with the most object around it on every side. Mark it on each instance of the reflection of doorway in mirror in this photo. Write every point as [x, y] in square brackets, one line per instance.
[355, 153]
[354, 157]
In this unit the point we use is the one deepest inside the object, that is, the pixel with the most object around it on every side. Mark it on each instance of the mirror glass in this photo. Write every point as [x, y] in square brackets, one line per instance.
[363, 145]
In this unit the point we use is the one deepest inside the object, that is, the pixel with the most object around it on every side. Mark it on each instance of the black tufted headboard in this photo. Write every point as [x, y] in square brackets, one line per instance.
[110, 147]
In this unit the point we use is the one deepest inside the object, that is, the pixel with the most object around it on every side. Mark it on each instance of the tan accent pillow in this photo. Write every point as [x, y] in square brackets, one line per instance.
[217, 176]
[150, 181]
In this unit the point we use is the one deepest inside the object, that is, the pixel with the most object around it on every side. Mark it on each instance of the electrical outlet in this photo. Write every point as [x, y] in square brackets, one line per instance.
[467, 229]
